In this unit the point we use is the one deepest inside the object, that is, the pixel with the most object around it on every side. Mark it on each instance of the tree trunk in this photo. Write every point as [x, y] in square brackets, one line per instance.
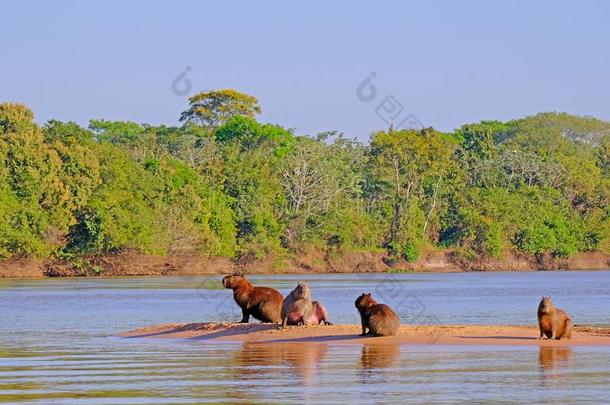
[436, 187]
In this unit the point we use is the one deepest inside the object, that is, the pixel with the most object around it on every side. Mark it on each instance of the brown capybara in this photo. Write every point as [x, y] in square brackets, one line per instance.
[263, 303]
[299, 309]
[554, 323]
[379, 319]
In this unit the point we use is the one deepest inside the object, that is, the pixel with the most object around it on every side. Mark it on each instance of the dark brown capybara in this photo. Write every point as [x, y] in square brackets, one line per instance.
[299, 309]
[553, 322]
[379, 319]
[263, 303]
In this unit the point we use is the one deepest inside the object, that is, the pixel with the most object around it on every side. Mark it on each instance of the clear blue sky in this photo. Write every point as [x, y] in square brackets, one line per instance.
[446, 62]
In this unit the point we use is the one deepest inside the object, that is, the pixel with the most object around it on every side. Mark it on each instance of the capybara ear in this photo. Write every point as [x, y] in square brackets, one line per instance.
[368, 294]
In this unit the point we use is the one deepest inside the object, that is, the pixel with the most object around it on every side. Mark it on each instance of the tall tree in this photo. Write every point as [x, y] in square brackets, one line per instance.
[478, 139]
[404, 159]
[602, 154]
[214, 108]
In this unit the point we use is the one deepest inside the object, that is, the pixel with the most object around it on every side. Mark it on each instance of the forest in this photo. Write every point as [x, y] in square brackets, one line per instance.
[223, 184]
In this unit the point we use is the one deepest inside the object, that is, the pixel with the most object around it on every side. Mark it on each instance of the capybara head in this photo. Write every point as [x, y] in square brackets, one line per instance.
[233, 280]
[546, 305]
[302, 291]
[364, 301]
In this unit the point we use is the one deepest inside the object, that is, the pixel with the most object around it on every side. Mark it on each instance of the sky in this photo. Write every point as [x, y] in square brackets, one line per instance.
[314, 66]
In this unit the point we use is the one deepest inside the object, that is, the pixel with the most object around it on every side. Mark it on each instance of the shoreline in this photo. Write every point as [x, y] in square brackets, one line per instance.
[132, 264]
[461, 335]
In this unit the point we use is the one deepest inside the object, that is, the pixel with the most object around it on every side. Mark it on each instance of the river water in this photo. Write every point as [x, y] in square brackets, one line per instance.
[57, 343]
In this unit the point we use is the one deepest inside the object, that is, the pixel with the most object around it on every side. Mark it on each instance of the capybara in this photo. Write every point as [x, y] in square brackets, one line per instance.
[299, 309]
[554, 323]
[263, 303]
[379, 319]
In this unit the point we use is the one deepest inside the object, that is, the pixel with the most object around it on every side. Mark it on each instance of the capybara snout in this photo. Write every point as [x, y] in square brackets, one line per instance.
[545, 305]
[228, 281]
[301, 290]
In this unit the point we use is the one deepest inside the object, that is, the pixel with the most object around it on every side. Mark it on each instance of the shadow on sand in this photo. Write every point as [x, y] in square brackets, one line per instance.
[214, 330]
[314, 339]
[499, 337]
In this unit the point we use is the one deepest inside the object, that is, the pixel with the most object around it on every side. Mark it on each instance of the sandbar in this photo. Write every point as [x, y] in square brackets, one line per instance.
[503, 335]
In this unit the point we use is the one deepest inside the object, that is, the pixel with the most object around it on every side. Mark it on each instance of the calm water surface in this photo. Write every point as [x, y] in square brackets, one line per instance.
[56, 343]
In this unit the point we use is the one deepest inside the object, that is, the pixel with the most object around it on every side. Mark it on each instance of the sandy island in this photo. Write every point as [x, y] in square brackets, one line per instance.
[345, 334]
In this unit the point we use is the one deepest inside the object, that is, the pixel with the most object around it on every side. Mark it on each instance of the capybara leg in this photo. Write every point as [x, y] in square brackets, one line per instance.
[245, 316]
[267, 313]
[567, 333]
[321, 313]
[363, 329]
[554, 333]
[325, 321]
[541, 333]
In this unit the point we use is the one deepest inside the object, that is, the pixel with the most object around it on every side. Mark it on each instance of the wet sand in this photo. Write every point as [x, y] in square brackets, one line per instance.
[349, 334]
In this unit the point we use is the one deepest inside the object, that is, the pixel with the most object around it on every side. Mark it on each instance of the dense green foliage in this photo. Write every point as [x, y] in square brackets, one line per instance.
[224, 184]
[216, 107]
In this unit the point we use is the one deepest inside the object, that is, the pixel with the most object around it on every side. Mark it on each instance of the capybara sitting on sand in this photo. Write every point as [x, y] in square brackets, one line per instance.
[263, 303]
[299, 309]
[554, 323]
[379, 319]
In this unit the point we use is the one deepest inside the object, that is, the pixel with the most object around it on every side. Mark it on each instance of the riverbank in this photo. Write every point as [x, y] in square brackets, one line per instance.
[131, 264]
[349, 334]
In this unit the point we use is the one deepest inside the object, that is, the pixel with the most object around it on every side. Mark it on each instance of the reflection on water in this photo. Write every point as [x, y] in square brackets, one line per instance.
[552, 357]
[555, 365]
[379, 356]
[152, 371]
[56, 345]
[296, 363]
[301, 358]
